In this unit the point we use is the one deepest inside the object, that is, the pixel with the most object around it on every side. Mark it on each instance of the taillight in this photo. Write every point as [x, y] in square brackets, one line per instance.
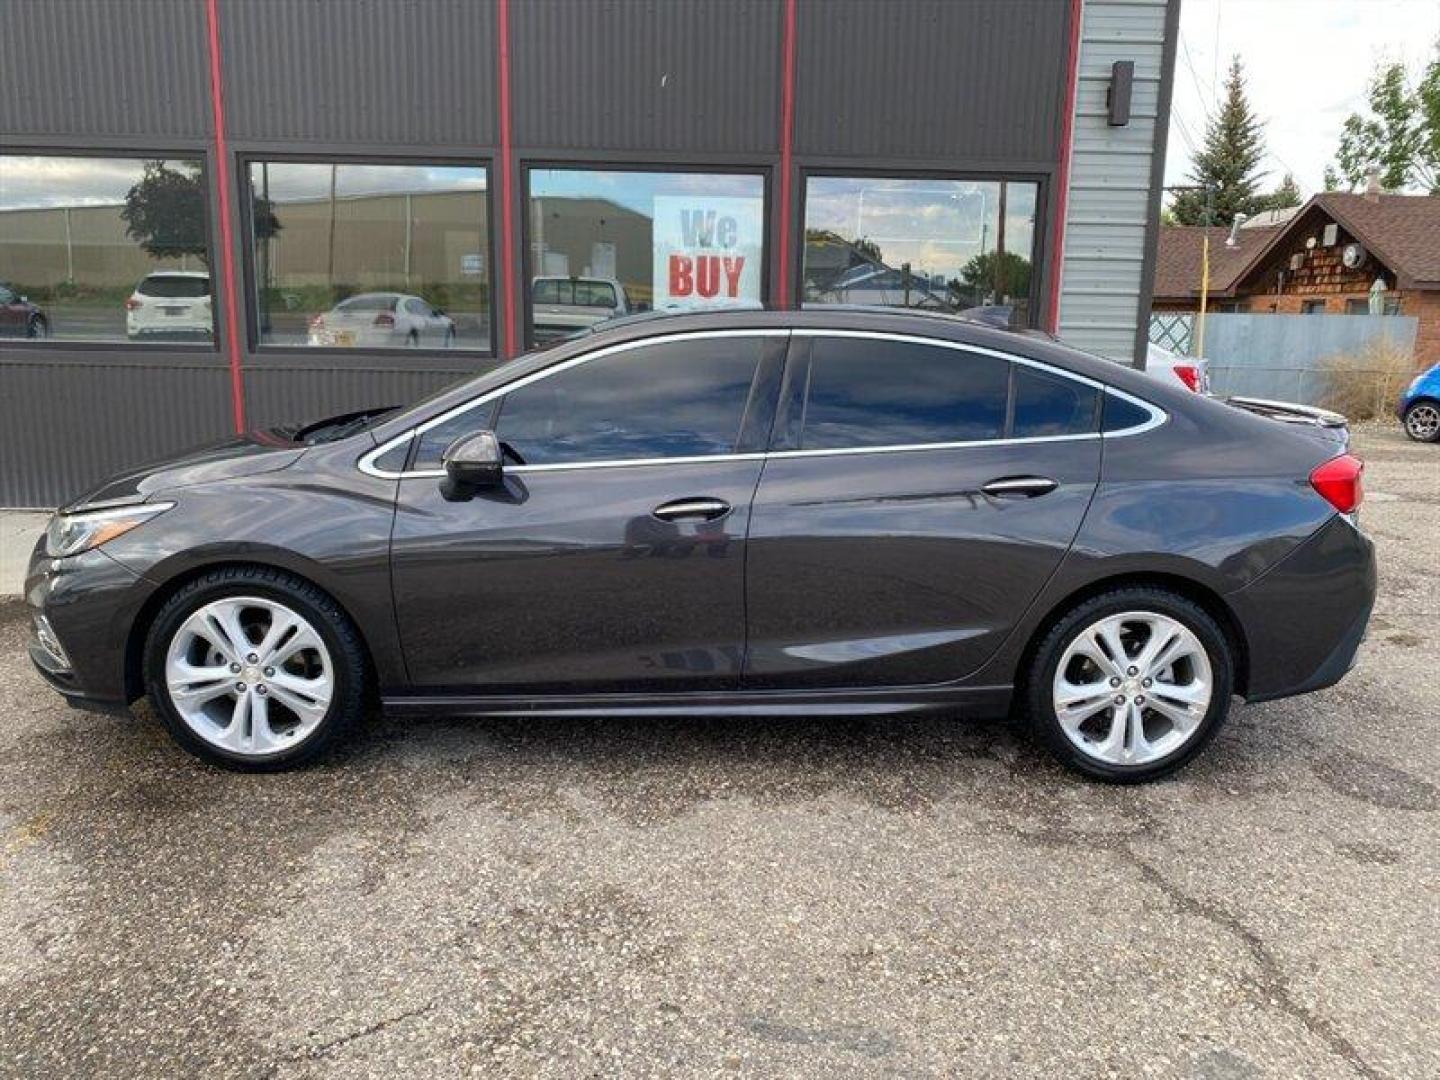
[1189, 375]
[134, 303]
[1339, 482]
[384, 319]
[317, 322]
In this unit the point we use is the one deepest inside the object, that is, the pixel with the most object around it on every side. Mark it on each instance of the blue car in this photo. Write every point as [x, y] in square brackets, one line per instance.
[1419, 408]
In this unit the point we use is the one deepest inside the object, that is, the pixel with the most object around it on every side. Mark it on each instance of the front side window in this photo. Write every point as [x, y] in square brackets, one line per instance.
[941, 245]
[106, 249]
[611, 242]
[673, 399]
[867, 392]
[370, 256]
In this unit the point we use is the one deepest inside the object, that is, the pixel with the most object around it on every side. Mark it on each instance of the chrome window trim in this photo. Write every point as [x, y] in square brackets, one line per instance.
[1158, 416]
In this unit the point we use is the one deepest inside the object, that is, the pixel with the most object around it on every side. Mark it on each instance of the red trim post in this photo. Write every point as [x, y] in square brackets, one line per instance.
[228, 252]
[507, 209]
[787, 149]
[1062, 177]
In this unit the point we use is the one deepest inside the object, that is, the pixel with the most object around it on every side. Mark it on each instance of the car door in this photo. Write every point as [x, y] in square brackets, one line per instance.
[917, 497]
[612, 558]
[14, 316]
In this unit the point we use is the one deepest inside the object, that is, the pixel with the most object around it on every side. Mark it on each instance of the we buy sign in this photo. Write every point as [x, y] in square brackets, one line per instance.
[706, 250]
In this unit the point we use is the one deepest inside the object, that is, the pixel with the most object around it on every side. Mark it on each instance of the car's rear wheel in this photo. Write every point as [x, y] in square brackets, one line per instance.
[253, 668]
[1130, 685]
[1422, 421]
[37, 327]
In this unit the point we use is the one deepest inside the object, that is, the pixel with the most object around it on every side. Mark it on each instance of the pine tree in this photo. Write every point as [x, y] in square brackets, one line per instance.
[1282, 198]
[1226, 170]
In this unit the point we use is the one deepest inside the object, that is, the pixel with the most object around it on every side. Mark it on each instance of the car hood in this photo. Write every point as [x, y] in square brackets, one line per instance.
[249, 455]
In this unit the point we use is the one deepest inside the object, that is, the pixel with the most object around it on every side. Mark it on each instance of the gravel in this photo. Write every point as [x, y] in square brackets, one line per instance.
[764, 898]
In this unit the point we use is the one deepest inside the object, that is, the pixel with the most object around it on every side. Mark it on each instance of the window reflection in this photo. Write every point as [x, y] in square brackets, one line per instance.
[105, 249]
[943, 245]
[605, 243]
[370, 256]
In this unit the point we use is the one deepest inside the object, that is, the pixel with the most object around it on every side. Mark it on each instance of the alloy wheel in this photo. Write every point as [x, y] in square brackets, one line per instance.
[249, 675]
[1132, 688]
[1422, 422]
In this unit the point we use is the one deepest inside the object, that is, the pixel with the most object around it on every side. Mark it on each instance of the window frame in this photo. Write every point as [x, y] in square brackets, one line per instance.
[256, 350]
[140, 353]
[763, 170]
[794, 335]
[1039, 268]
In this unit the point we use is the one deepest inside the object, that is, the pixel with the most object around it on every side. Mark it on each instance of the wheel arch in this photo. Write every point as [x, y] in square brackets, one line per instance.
[1207, 599]
[145, 617]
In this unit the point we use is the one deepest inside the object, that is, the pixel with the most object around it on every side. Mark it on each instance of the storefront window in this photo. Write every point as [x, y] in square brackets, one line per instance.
[369, 256]
[944, 245]
[104, 249]
[605, 243]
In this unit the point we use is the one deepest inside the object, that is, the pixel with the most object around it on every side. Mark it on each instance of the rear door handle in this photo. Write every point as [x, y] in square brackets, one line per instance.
[702, 509]
[1020, 487]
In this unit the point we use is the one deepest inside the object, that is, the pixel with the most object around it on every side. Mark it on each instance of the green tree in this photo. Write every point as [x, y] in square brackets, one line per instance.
[1226, 172]
[164, 212]
[1398, 134]
[1004, 272]
[1283, 197]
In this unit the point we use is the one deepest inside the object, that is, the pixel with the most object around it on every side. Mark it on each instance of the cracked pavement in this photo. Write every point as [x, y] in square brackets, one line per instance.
[762, 898]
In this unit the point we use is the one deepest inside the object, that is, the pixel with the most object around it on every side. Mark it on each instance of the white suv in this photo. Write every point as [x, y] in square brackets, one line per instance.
[170, 302]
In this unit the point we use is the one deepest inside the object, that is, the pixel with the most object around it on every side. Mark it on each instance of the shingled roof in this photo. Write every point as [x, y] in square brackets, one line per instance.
[1177, 263]
[1402, 231]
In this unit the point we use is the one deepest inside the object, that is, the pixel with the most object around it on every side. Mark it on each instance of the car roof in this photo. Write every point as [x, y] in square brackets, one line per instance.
[178, 273]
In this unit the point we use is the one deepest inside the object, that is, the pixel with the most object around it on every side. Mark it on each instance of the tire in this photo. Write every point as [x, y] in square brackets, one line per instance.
[293, 712]
[449, 339]
[1167, 740]
[1422, 421]
[412, 340]
[37, 327]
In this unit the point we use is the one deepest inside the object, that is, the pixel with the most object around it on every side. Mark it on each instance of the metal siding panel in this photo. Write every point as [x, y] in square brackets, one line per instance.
[1110, 177]
[401, 72]
[930, 79]
[97, 68]
[275, 395]
[69, 425]
[637, 75]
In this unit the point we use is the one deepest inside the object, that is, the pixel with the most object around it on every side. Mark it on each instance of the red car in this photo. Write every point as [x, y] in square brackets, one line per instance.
[19, 317]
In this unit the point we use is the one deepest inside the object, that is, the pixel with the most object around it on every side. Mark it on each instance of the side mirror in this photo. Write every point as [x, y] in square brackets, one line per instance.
[474, 461]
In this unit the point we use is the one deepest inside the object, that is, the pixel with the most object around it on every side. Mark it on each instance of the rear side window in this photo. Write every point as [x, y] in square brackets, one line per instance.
[172, 286]
[867, 392]
[1052, 405]
[372, 302]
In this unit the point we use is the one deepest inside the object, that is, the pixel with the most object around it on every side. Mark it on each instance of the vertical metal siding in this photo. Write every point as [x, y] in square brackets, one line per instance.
[99, 68]
[670, 75]
[973, 82]
[1110, 176]
[367, 72]
[67, 424]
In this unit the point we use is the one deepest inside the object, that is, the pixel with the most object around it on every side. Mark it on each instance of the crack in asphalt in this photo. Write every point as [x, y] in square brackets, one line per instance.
[320, 1050]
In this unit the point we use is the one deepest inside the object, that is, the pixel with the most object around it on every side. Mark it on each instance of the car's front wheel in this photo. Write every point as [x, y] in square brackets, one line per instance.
[1422, 421]
[253, 668]
[1131, 684]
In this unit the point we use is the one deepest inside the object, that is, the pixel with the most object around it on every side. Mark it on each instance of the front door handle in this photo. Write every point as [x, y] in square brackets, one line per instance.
[703, 509]
[1020, 487]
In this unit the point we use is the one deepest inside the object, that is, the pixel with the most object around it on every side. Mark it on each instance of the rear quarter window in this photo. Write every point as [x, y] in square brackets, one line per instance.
[1120, 414]
[1048, 405]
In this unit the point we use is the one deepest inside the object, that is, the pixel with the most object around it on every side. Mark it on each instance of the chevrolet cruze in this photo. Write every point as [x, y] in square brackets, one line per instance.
[823, 513]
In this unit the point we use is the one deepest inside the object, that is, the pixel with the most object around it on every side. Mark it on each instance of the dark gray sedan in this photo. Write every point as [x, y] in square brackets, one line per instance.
[817, 512]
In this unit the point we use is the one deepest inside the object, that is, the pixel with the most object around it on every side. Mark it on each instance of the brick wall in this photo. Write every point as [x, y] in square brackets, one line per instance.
[1425, 306]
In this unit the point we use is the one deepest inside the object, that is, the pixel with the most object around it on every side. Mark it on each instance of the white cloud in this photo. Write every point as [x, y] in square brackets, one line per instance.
[1307, 63]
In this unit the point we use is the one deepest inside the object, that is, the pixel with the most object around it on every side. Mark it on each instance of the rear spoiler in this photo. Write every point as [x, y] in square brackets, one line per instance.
[1287, 412]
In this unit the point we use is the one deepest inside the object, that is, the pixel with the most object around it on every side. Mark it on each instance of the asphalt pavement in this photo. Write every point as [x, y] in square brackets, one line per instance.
[797, 898]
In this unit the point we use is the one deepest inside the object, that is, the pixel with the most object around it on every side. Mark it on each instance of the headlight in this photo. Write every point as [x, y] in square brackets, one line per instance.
[70, 534]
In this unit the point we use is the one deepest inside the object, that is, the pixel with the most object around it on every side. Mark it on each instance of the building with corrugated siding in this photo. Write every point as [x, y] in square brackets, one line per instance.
[223, 214]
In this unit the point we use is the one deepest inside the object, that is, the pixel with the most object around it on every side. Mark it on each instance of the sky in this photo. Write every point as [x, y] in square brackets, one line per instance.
[1307, 63]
